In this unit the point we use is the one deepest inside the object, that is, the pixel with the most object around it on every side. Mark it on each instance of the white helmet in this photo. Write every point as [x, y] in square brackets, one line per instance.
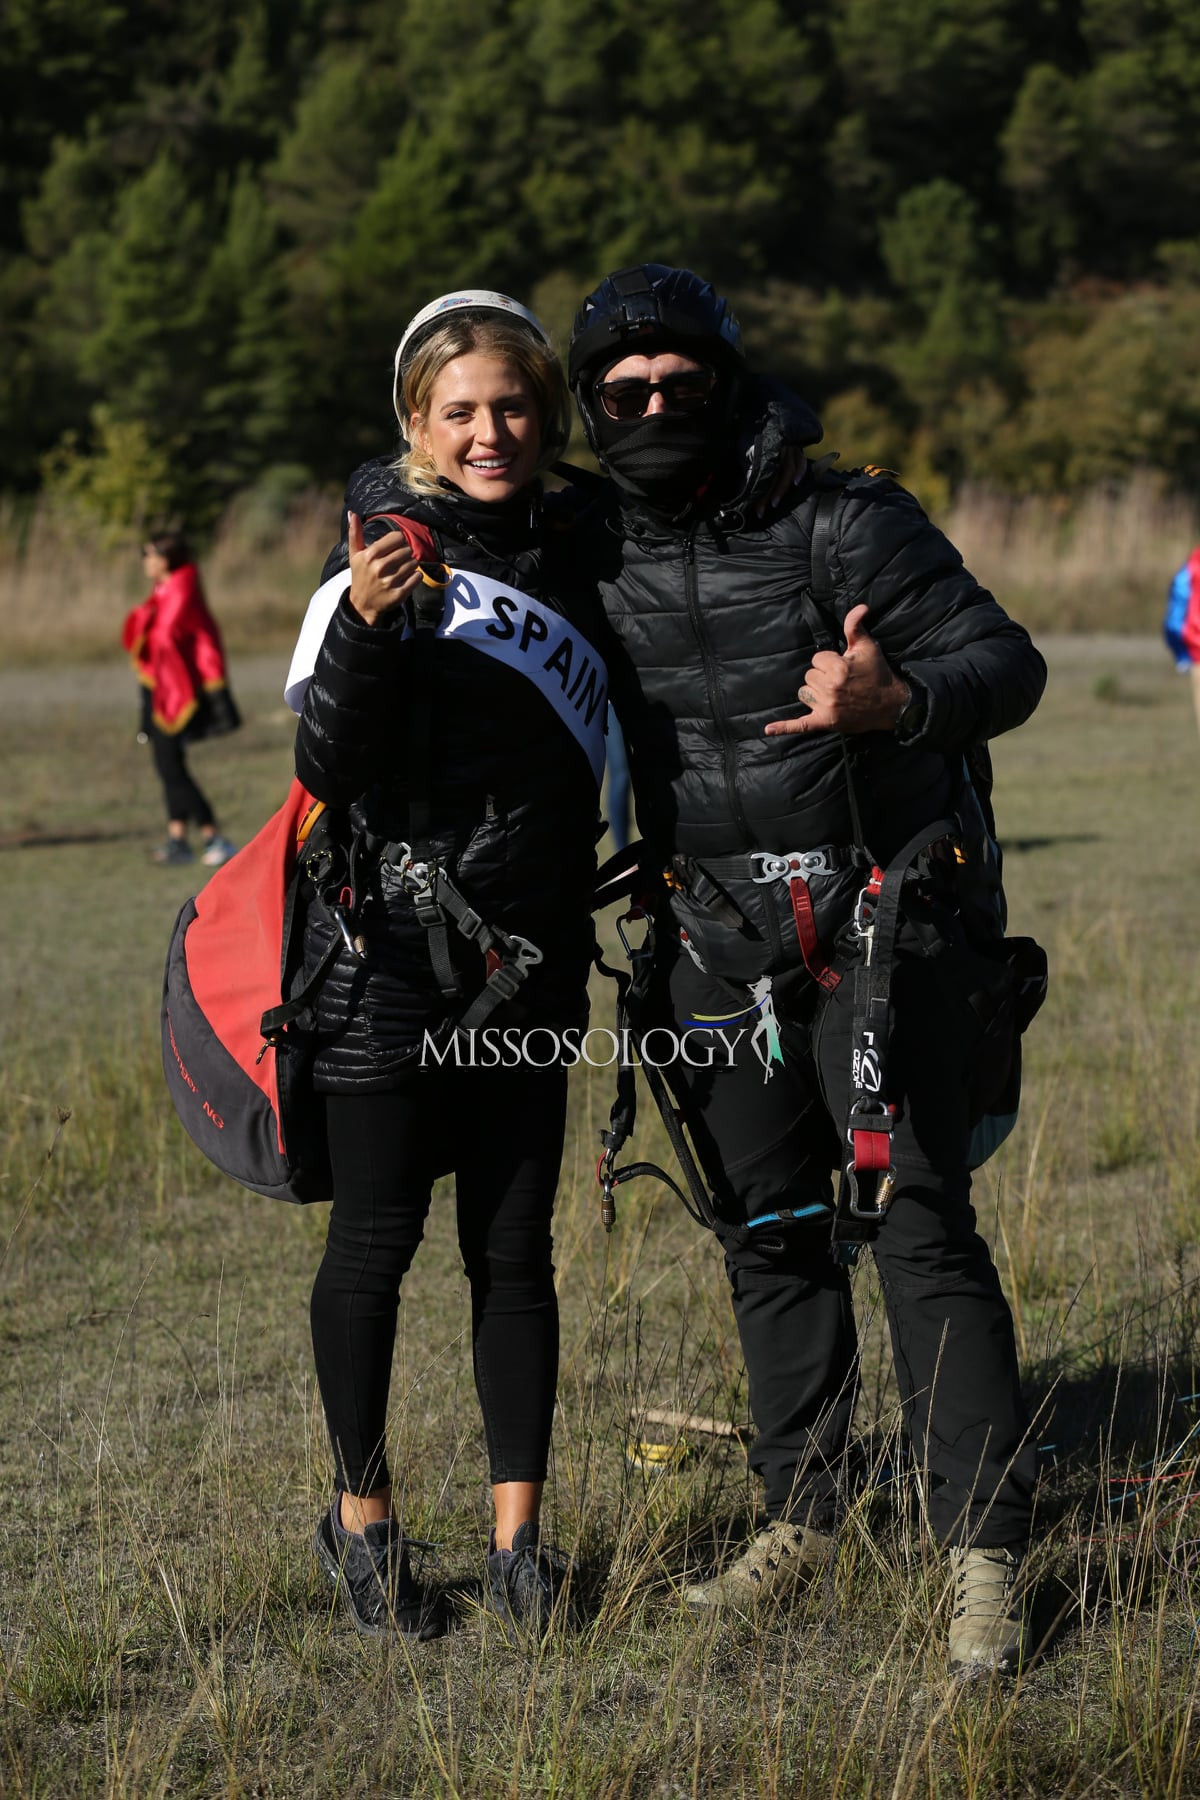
[462, 300]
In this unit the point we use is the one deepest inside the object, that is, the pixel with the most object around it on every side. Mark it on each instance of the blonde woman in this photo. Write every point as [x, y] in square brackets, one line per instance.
[453, 717]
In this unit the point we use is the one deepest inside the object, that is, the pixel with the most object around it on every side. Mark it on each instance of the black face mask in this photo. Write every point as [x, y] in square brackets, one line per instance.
[664, 458]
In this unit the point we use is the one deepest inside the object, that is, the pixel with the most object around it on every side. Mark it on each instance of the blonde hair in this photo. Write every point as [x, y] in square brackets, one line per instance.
[491, 335]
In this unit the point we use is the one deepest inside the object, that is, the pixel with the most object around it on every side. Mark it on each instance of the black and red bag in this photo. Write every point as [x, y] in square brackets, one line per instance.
[235, 1058]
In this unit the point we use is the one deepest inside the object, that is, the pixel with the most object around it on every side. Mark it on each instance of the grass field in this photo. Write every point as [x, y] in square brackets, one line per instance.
[163, 1627]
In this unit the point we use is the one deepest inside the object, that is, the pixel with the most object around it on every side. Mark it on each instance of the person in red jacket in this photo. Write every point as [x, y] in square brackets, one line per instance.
[175, 646]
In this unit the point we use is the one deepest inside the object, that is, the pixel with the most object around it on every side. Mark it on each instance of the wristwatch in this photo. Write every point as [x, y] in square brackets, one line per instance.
[910, 720]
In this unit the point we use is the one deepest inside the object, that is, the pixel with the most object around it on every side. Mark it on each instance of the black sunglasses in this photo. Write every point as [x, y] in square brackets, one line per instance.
[685, 392]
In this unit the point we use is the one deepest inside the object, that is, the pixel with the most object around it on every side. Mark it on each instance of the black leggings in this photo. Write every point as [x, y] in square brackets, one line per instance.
[184, 799]
[501, 1130]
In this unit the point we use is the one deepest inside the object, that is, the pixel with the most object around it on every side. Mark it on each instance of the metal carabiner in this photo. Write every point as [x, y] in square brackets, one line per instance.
[879, 1204]
[632, 951]
[355, 945]
[862, 922]
[608, 1204]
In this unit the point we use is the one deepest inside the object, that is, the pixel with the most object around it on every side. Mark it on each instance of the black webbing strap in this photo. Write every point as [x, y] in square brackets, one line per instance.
[426, 607]
[316, 850]
[817, 607]
[427, 613]
[866, 1173]
[434, 893]
[821, 573]
[277, 1017]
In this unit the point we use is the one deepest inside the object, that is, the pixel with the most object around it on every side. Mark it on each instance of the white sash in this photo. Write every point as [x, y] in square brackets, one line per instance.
[505, 624]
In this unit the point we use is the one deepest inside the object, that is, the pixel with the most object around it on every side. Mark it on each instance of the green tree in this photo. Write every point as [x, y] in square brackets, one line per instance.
[248, 408]
[929, 83]
[1041, 146]
[933, 236]
[143, 353]
[1140, 172]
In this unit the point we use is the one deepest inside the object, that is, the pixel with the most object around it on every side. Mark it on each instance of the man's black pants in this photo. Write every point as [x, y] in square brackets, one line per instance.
[767, 1142]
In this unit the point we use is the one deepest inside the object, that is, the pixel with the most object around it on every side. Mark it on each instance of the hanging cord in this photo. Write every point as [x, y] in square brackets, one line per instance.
[623, 1115]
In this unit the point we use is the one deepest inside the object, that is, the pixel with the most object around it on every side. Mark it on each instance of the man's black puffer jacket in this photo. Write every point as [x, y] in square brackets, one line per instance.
[513, 800]
[710, 633]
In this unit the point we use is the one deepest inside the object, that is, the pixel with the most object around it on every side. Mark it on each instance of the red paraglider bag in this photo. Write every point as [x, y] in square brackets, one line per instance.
[245, 1098]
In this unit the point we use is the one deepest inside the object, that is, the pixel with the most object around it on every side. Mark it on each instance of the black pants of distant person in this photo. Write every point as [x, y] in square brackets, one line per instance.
[770, 1142]
[501, 1130]
[184, 799]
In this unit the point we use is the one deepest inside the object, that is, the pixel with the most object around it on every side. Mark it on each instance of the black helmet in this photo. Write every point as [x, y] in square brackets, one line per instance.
[646, 307]
[653, 302]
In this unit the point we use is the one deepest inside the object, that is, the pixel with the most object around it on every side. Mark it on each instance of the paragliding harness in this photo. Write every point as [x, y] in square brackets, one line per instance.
[865, 953]
[335, 869]
[439, 904]
[235, 987]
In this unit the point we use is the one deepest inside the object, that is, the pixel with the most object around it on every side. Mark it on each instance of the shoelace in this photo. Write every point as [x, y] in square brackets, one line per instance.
[982, 1583]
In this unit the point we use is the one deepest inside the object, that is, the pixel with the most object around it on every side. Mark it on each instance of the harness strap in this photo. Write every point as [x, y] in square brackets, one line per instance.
[866, 1177]
[806, 931]
[314, 844]
[508, 957]
[276, 1018]
[795, 867]
[427, 604]
[761, 865]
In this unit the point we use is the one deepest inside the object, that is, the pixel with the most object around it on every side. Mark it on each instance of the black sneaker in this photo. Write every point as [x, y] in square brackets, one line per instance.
[527, 1583]
[374, 1577]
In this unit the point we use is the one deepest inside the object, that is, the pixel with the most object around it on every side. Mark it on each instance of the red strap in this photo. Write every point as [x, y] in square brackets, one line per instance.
[806, 931]
[420, 538]
[872, 1150]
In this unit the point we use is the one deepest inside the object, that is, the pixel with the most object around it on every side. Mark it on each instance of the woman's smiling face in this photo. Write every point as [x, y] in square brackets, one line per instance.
[481, 427]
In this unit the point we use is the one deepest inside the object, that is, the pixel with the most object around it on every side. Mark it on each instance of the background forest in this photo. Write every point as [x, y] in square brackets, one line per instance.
[968, 230]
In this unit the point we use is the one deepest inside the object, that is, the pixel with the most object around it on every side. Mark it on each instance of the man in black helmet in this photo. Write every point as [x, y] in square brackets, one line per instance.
[773, 823]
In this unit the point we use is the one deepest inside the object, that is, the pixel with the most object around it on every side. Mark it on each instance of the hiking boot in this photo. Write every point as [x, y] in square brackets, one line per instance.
[987, 1624]
[782, 1560]
[373, 1575]
[526, 1584]
[173, 854]
[216, 851]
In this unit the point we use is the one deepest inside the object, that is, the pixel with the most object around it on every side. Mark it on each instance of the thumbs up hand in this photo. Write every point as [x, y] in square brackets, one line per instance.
[382, 575]
[851, 690]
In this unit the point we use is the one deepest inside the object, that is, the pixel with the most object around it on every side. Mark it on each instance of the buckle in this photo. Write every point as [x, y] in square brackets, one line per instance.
[417, 877]
[791, 865]
[513, 970]
[528, 954]
[470, 923]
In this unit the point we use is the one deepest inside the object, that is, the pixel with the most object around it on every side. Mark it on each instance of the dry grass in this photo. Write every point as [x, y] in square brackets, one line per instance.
[64, 592]
[1102, 563]
[163, 1627]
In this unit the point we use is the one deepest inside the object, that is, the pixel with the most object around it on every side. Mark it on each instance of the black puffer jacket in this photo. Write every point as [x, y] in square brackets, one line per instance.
[710, 633]
[513, 800]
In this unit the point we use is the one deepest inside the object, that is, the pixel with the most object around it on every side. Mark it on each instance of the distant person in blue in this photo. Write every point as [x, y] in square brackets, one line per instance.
[617, 793]
[1181, 623]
